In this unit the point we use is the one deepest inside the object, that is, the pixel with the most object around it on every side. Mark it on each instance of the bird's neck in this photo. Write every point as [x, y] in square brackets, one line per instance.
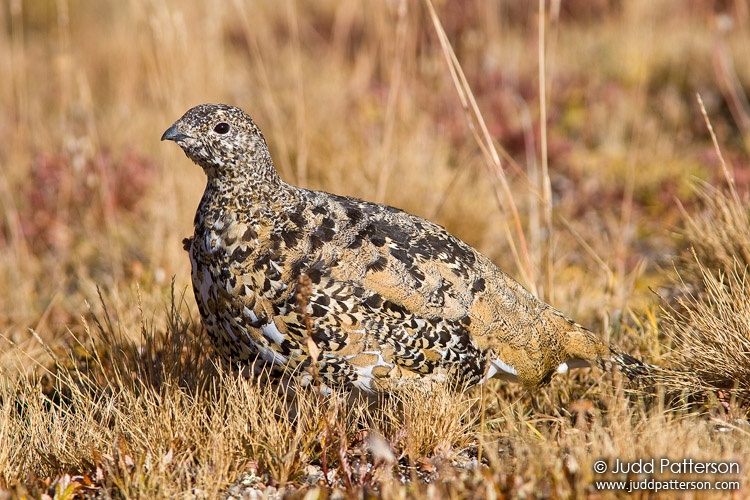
[258, 179]
[245, 190]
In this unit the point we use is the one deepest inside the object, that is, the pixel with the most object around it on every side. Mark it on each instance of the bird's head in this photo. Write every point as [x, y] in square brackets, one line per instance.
[223, 140]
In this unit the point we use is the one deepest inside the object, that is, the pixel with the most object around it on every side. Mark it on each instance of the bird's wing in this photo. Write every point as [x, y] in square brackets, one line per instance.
[391, 293]
[374, 341]
[402, 259]
[435, 296]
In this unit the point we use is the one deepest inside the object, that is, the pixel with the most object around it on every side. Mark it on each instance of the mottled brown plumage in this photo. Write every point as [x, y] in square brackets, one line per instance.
[389, 296]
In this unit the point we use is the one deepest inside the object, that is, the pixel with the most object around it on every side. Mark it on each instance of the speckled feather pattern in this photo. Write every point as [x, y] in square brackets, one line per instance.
[391, 296]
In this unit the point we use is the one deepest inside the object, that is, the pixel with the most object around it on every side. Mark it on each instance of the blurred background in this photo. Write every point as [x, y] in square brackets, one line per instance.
[356, 98]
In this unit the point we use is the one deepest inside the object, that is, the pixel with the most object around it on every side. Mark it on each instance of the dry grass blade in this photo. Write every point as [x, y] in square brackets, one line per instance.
[728, 174]
[546, 186]
[484, 140]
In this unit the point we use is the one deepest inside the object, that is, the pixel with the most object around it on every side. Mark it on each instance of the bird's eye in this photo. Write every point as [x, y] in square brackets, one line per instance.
[221, 128]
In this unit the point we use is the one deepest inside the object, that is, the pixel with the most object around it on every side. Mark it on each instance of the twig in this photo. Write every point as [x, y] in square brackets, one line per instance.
[484, 141]
[386, 162]
[304, 291]
[545, 180]
[728, 175]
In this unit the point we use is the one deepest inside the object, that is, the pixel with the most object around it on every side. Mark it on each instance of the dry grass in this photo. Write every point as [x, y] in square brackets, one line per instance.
[107, 385]
[709, 323]
[718, 232]
[711, 332]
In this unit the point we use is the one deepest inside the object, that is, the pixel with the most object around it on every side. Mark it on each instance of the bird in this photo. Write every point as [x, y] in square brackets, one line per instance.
[343, 292]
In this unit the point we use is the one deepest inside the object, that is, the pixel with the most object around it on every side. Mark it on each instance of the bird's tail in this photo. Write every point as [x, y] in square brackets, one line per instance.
[586, 348]
[634, 369]
[583, 344]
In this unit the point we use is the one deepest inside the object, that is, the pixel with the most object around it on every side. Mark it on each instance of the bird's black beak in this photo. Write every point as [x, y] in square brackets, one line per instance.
[173, 134]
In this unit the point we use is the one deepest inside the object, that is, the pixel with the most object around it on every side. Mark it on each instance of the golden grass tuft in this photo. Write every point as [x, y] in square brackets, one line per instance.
[710, 332]
[718, 231]
[708, 325]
